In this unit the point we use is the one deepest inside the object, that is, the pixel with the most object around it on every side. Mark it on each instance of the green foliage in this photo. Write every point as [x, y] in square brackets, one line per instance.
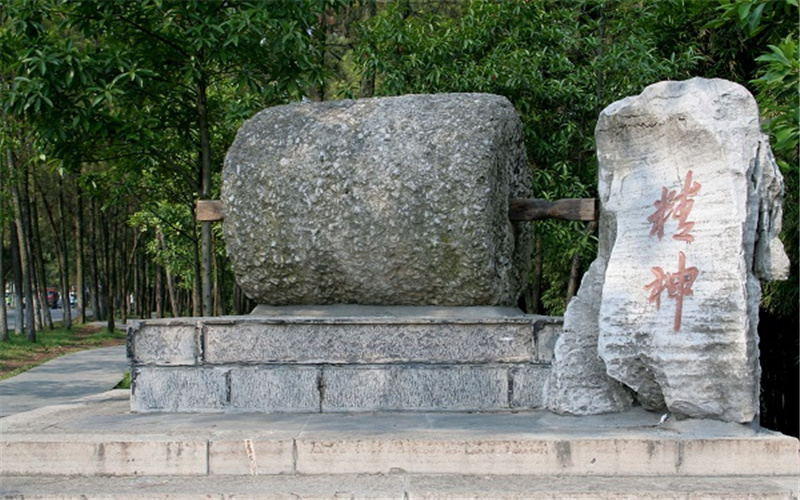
[778, 88]
[175, 251]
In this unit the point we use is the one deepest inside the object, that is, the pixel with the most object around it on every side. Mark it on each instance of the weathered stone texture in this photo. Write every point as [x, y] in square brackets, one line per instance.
[178, 389]
[369, 340]
[163, 344]
[399, 200]
[415, 387]
[527, 384]
[281, 388]
[687, 187]
[578, 383]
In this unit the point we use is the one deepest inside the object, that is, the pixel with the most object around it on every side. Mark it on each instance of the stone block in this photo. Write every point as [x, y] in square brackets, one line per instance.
[415, 387]
[368, 340]
[163, 343]
[527, 385]
[179, 389]
[397, 200]
[689, 184]
[690, 202]
[275, 388]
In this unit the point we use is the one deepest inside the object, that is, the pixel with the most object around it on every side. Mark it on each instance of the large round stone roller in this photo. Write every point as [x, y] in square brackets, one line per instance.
[387, 201]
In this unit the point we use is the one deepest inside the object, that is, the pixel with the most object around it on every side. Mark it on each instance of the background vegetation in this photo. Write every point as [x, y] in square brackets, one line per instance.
[117, 114]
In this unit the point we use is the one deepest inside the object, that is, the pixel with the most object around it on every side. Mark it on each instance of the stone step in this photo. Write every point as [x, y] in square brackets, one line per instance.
[343, 359]
[401, 487]
[101, 437]
[347, 335]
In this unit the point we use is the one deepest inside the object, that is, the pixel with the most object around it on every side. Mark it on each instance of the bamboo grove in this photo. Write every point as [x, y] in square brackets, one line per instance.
[116, 116]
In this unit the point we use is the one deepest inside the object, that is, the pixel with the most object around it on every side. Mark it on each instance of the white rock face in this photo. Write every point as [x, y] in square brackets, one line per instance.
[691, 202]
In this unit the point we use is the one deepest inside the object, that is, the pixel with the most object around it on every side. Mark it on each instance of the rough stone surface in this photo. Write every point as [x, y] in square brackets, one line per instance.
[280, 388]
[691, 200]
[578, 383]
[369, 341]
[527, 384]
[167, 343]
[399, 200]
[250, 457]
[416, 387]
[546, 332]
[178, 389]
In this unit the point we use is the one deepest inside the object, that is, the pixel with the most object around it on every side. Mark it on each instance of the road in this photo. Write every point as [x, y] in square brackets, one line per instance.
[58, 315]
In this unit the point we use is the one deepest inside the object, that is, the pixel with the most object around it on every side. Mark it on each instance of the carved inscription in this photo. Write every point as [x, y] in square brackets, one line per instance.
[678, 285]
[677, 206]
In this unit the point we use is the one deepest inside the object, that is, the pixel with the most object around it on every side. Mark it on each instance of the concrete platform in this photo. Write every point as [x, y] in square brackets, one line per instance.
[399, 487]
[97, 448]
[101, 436]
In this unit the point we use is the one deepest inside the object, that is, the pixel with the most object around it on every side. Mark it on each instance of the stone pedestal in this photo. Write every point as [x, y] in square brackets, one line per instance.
[343, 359]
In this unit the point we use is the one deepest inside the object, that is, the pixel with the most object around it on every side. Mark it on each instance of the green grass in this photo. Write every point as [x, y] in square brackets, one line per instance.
[125, 383]
[18, 355]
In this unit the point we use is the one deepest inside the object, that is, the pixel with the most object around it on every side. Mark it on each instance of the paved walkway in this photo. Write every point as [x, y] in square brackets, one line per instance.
[64, 379]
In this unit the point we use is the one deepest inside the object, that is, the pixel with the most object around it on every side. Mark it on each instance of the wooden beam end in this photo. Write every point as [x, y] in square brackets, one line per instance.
[209, 211]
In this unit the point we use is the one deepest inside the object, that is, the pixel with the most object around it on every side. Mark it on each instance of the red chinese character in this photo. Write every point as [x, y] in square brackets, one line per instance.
[684, 208]
[662, 213]
[678, 285]
[677, 207]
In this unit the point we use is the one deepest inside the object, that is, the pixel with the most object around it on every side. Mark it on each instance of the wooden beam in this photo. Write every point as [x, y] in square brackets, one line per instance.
[521, 209]
[209, 211]
[581, 209]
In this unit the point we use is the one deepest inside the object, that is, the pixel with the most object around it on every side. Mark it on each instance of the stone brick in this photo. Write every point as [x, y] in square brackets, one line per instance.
[369, 340]
[415, 387]
[545, 333]
[164, 343]
[527, 385]
[275, 388]
[178, 389]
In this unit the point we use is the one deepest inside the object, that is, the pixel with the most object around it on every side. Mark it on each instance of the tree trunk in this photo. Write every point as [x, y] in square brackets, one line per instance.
[205, 194]
[109, 280]
[95, 270]
[173, 298]
[23, 234]
[368, 79]
[66, 306]
[576, 269]
[4, 336]
[19, 311]
[80, 285]
[536, 284]
[128, 274]
[197, 307]
[41, 272]
[159, 292]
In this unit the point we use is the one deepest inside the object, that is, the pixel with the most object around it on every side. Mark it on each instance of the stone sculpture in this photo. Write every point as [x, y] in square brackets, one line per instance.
[691, 211]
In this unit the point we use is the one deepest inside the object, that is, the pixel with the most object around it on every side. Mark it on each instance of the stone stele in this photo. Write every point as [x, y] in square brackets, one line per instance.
[386, 201]
[691, 209]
